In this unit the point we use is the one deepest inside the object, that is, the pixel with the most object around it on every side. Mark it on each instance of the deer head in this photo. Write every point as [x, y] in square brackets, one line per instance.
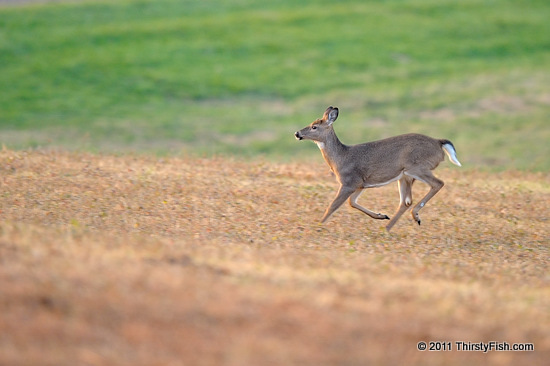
[319, 129]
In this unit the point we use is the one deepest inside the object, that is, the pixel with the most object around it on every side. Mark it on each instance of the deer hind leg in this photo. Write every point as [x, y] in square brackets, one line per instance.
[405, 195]
[427, 177]
[353, 203]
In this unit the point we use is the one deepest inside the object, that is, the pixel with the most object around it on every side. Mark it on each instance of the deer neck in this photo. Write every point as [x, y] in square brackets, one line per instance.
[332, 149]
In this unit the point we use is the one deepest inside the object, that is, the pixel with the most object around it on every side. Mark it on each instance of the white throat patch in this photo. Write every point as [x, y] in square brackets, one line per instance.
[320, 145]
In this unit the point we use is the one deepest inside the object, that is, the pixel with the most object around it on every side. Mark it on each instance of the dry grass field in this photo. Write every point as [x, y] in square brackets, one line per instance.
[131, 260]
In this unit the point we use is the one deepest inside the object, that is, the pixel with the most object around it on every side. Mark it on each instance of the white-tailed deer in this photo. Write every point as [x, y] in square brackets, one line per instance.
[403, 158]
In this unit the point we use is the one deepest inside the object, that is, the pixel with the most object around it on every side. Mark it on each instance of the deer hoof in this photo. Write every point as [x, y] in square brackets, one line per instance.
[416, 217]
[385, 217]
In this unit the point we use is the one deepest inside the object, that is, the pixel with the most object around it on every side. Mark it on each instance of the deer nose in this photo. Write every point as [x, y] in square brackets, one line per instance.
[297, 135]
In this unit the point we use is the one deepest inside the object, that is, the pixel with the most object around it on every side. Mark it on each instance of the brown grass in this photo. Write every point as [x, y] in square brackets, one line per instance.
[109, 260]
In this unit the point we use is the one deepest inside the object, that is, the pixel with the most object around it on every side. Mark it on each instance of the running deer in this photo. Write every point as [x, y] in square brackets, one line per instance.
[403, 158]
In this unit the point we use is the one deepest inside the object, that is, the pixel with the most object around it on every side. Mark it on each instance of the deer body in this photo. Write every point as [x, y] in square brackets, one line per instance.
[403, 158]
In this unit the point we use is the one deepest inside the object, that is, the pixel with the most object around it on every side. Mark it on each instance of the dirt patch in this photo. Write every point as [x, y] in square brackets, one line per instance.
[139, 261]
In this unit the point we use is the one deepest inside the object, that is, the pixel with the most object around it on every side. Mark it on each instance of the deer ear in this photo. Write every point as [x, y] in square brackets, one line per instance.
[330, 115]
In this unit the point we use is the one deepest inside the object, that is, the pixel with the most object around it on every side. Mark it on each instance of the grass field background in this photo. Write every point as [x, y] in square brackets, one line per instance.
[239, 77]
[155, 208]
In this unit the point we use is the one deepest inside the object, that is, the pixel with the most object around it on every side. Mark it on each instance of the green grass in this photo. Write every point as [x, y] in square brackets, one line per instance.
[216, 77]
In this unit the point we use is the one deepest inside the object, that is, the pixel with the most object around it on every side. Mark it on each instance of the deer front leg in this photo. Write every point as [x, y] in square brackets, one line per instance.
[353, 203]
[341, 197]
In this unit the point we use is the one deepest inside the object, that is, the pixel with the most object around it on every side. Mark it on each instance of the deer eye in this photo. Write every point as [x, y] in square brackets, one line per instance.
[314, 127]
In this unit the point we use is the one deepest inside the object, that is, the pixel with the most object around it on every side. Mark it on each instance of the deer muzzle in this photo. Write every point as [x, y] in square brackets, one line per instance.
[298, 135]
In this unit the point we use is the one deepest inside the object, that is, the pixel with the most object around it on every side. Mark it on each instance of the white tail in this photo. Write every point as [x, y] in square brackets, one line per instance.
[403, 158]
[451, 153]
